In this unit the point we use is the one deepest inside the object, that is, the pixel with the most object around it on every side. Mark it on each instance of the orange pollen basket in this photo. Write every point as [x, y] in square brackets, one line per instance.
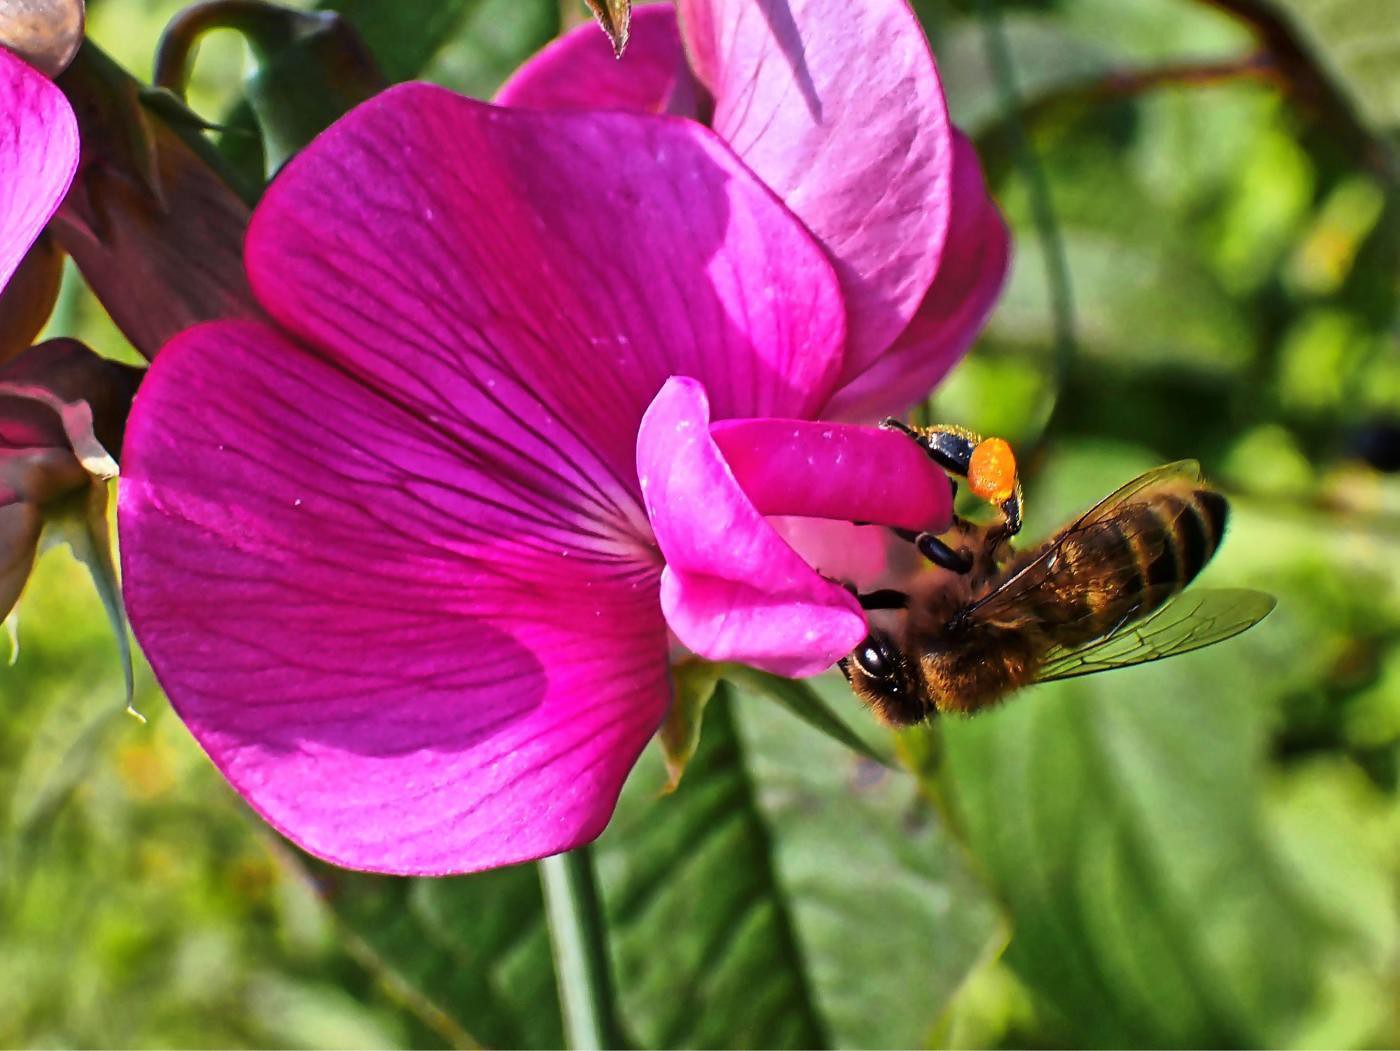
[991, 473]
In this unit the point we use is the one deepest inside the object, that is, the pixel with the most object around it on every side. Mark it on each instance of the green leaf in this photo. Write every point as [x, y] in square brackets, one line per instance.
[1358, 44]
[769, 900]
[405, 34]
[1122, 820]
[471, 45]
[469, 956]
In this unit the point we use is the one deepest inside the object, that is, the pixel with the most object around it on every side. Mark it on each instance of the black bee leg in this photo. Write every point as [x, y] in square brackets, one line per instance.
[885, 598]
[951, 448]
[893, 423]
[845, 665]
[940, 554]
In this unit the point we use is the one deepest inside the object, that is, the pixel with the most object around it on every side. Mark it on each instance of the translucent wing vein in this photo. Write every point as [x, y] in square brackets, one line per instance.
[1197, 618]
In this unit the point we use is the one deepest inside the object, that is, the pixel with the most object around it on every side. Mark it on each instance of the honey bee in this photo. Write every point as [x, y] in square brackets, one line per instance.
[1104, 592]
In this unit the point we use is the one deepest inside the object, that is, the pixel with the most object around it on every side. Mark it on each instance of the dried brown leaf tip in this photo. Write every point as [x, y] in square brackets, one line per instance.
[45, 33]
[615, 16]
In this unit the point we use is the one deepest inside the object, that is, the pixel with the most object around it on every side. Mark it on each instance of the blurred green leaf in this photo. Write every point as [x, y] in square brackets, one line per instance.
[475, 42]
[1047, 58]
[1118, 826]
[1358, 43]
[496, 38]
[468, 956]
[404, 34]
[773, 898]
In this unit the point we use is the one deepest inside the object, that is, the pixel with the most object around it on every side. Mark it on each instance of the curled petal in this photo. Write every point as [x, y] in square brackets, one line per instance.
[580, 71]
[413, 642]
[87, 399]
[837, 106]
[835, 470]
[38, 155]
[426, 238]
[970, 277]
[59, 403]
[732, 588]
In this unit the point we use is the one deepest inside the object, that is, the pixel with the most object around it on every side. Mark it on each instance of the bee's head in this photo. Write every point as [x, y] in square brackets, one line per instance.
[887, 681]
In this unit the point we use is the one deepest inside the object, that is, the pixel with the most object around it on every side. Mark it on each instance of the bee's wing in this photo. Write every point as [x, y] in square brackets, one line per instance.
[1008, 595]
[1196, 618]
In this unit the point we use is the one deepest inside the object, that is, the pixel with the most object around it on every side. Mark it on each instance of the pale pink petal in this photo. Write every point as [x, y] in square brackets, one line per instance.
[38, 155]
[415, 643]
[426, 238]
[866, 557]
[970, 277]
[732, 589]
[836, 105]
[579, 70]
[836, 470]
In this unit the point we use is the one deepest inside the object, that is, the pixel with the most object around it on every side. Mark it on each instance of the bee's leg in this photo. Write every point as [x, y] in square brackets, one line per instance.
[885, 598]
[952, 448]
[936, 551]
[948, 446]
[941, 555]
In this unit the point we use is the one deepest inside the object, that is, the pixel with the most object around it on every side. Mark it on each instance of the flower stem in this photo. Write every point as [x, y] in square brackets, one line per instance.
[579, 937]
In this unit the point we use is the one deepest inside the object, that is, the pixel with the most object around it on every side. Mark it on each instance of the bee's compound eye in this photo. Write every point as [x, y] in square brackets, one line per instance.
[875, 659]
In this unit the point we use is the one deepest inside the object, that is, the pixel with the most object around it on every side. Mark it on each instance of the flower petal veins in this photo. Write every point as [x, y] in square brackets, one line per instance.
[422, 483]
[837, 106]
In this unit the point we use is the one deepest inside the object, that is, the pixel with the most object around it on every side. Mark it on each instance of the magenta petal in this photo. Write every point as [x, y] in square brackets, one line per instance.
[732, 589]
[38, 155]
[579, 70]
[426, 239]
[415, 644]
[836, 104]
[970, 277]
[836, 470]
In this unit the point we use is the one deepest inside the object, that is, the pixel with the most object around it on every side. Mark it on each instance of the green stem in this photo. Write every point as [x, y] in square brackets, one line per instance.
[579, 937]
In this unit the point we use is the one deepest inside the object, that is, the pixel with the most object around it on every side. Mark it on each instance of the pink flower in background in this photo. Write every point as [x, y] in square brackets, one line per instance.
[407, 566]
[38, 156]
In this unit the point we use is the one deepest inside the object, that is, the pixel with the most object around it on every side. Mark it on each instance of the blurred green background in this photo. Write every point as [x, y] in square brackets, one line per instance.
[1200, 852]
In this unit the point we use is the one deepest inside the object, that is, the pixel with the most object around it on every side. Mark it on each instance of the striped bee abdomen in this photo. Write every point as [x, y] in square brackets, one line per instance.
[1125, 565]
[1182, 534]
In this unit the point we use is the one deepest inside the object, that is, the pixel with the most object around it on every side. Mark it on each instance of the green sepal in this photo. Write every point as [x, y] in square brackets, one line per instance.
[81, 522]
[695, 682]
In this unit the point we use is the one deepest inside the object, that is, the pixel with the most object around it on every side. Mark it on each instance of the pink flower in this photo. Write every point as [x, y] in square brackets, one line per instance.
[38, 156]
[407, 566]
